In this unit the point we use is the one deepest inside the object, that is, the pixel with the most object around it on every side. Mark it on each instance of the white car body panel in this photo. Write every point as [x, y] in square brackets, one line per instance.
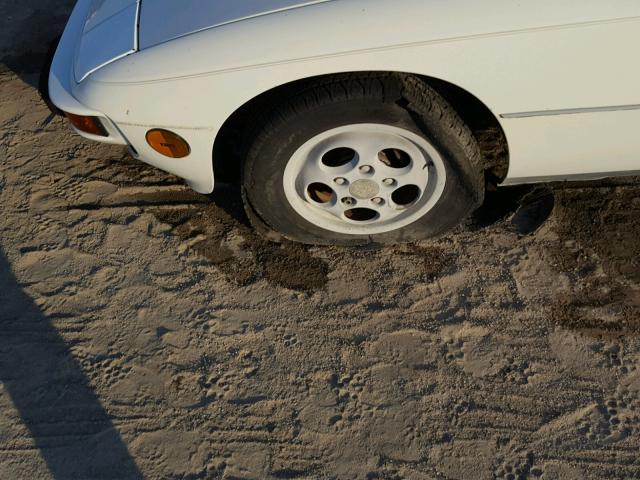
[560, 76]
[164, 20]
[110, 33]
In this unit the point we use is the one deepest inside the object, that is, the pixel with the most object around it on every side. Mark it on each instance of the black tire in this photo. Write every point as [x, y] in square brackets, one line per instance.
[400, 100]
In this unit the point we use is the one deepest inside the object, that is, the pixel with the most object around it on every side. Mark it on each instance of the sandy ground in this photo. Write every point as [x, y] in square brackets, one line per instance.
[145, 331]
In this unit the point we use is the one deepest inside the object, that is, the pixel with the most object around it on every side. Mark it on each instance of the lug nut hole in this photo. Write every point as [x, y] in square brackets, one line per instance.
[389, 182]
[341, 181]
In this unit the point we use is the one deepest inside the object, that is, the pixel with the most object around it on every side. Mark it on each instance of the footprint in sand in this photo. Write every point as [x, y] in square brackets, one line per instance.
[519, 469]
[454, 350]
[615, 357]
[518, 372]
[290, 340]
[613, 419]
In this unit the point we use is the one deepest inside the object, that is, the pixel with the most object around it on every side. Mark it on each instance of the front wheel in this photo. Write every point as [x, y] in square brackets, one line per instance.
[362, 159]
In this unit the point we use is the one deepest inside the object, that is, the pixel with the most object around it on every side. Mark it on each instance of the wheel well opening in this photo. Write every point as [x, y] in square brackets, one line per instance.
[483, 124]
[235, 135]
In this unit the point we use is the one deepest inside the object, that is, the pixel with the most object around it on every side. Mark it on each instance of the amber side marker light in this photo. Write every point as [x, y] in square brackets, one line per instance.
[91, 125]
[168, 143]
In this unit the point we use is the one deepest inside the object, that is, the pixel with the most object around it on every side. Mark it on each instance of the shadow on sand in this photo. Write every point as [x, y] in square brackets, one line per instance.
[48, 388]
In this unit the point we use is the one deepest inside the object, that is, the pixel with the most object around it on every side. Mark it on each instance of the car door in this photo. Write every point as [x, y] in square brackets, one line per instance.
[575, 95]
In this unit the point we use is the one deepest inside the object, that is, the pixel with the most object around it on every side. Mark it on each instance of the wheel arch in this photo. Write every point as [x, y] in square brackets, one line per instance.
[485, 125]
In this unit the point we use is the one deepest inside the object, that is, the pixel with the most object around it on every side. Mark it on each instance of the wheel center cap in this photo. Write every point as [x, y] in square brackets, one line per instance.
[364, 189]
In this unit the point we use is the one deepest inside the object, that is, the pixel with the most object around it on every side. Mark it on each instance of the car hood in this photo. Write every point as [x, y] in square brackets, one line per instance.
[164, 20]
[109, 33]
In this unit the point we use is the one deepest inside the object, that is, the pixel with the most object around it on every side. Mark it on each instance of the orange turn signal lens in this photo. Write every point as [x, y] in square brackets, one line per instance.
[91, 125]
[168, 143]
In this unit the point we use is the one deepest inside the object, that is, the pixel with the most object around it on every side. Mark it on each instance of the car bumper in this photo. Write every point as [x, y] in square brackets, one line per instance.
[62, 83]
[69, 96]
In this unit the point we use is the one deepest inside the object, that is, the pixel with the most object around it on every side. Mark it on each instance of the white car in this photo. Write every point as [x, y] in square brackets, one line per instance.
[356, 121]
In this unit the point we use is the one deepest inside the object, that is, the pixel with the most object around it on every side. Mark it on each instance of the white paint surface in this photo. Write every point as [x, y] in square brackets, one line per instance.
[109, 33]
[164, 20]
[525, 56]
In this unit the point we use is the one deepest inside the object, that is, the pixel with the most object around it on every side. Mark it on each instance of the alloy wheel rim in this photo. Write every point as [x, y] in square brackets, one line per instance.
[364, 179]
